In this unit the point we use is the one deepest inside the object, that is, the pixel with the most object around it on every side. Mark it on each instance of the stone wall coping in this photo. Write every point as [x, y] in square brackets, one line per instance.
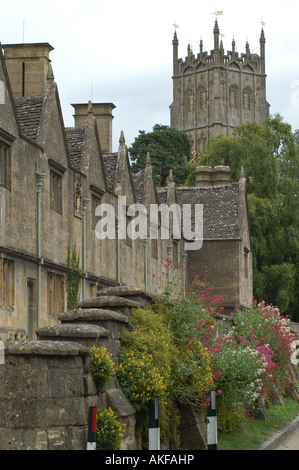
[74, 330]
[108, 301]
[92, 314]
[44, 348]
[125, 291]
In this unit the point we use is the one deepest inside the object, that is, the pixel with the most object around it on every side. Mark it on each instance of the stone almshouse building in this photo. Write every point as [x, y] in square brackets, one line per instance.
[214, 93]
[52, 178]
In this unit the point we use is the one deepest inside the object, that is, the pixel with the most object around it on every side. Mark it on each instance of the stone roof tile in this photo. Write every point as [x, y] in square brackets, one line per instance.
[75, 141]
[29, 111]
[220, 209]
[110, 164]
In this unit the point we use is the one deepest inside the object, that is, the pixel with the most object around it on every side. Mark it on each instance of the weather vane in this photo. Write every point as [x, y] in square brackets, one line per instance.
[217, 13]
[176, 26]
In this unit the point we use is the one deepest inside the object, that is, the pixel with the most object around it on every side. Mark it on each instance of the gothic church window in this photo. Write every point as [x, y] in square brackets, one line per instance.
[247, 99]
[202, 98]
[233, 97]
[190, 105]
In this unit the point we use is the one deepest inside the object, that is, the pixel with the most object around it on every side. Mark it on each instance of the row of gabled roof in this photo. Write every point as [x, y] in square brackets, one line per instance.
[220, 203]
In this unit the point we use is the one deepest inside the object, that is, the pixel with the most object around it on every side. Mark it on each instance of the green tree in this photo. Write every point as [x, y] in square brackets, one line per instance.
[169, 149]
[270, 158]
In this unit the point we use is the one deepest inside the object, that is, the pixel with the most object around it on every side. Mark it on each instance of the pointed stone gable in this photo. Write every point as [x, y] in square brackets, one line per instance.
[51, 124]
[124, 182]
[92, 158]
[8, 115]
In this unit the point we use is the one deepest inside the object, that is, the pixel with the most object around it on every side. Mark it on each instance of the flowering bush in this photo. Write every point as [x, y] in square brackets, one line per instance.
[193, 377]
[240, 372]
[101, 365]
[180, 350]
[140, 378]
[146, 355]
[109, 431]
[269, 333]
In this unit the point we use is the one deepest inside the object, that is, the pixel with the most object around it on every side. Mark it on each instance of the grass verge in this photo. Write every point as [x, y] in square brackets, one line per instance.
[261, 430]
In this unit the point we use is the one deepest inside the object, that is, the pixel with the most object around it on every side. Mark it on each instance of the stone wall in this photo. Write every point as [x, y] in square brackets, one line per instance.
[46, 387]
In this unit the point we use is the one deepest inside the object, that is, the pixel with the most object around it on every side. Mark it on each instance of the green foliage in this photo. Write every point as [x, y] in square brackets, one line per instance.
[169, 149]
[146, 359]
[179, 351]
[270, 157]
[193, 375]
[230, 418]
[109, 430]
[101, 365]
[74, 274]
[263, 328]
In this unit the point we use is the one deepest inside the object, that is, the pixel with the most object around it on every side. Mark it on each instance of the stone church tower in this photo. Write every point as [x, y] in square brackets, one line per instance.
[214, 93]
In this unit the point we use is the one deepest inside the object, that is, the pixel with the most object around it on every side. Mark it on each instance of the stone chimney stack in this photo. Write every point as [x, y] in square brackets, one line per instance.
[206, 176]
[104, 117]
[203, 176]
[27, 66]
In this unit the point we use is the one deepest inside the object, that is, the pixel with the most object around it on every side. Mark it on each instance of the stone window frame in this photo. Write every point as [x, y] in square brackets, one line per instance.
[56, 186]
[233, 96]
[7, 283]
[202, 98]
[55, 293]
[96, 198]
[6, 140]
[247, 98]
[190, 105]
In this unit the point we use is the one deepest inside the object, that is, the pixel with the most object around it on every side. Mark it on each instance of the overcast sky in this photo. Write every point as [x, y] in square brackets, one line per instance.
[121, 51]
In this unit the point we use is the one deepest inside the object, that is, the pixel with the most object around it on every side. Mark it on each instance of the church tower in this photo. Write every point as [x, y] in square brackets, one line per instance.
[214, 93]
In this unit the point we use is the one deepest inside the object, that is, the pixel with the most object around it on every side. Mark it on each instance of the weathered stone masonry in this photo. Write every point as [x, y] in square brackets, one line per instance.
[46, 387]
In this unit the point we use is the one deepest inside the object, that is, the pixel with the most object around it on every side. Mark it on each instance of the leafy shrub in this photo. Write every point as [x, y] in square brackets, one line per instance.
[230, 418]
[263, 327]
[193, 376]
[101, 365]
[146, 361]
[109, 431]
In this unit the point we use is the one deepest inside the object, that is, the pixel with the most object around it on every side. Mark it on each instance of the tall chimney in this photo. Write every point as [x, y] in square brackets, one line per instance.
[221, 176]
[203, 176]
[27, 66]
[104, 117]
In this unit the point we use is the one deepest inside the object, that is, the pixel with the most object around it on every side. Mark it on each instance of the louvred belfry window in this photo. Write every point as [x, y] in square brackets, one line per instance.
[233, 97]
[247, 99]
[190, 105]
